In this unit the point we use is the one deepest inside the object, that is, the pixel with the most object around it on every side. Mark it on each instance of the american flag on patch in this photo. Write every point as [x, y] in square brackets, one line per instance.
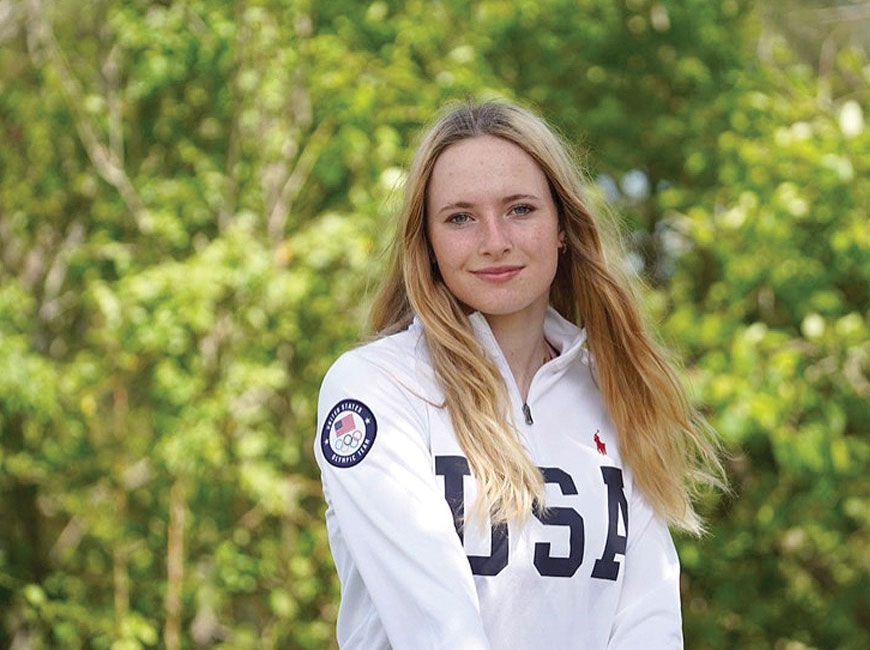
[345, 424]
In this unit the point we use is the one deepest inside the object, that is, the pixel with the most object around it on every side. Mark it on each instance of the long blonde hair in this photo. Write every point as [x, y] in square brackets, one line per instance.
[662, 438]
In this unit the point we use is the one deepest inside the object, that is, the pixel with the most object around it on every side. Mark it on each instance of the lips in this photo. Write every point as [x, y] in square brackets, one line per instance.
[498, 273]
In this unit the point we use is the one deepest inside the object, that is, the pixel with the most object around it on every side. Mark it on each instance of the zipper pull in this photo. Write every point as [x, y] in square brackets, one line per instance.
[528, 413]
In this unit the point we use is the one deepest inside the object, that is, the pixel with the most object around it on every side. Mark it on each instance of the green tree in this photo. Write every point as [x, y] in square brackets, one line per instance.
[193, 197]
[770, 304]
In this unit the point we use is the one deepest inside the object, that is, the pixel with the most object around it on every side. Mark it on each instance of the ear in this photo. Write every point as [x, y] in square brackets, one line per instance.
[562, 239]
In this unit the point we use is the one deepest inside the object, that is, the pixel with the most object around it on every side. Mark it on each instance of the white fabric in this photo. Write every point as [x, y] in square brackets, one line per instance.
[406, 580]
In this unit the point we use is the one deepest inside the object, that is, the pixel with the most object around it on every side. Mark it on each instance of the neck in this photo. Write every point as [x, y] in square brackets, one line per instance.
[523, 344]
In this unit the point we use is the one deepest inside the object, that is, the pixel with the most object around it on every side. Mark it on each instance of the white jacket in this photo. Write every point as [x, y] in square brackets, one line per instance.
[598, 570]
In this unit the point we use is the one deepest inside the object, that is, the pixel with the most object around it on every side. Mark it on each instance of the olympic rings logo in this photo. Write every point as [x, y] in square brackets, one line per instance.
[347, 443]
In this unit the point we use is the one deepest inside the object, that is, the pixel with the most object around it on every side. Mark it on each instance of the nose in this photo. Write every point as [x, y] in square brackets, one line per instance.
[495, 238]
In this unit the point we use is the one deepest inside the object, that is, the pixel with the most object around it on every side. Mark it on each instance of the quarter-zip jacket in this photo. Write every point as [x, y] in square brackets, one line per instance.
[596, 570]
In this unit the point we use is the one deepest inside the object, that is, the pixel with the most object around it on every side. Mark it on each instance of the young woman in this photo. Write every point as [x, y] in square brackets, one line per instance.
[502, 463]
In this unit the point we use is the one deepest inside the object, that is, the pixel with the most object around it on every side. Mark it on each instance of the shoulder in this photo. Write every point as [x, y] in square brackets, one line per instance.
[392, 356]
[377, 390]
[392, 369]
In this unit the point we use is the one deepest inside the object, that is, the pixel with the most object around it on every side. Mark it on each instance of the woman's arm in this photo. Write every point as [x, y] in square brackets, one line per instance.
[648, 613]
[389, 511]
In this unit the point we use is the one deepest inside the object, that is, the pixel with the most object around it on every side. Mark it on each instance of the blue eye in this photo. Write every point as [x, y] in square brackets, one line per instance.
[521, 210]
[459, 219]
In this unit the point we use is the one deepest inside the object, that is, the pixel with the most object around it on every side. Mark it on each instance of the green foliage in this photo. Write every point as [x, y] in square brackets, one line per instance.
[778, 327]
[192, 204]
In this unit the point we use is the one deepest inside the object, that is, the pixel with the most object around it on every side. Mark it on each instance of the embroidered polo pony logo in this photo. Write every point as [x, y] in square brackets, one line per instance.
[600, 446]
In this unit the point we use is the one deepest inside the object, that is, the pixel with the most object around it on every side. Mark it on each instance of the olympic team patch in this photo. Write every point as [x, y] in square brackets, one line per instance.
[348, 433]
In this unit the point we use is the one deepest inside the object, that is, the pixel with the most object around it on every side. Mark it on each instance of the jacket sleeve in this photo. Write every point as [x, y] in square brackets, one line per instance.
[389, 511]
[648, 613]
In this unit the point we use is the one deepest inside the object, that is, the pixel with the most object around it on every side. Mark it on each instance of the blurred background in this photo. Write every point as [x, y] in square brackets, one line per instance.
[195, 198]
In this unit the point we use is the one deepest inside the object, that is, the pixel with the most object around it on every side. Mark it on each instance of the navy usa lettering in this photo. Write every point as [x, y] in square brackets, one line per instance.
[606, 567]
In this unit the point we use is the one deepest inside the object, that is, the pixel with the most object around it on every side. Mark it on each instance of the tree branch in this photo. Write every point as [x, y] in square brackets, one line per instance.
[280, 210]
[10, 20]
[105, 159]
[175, 565]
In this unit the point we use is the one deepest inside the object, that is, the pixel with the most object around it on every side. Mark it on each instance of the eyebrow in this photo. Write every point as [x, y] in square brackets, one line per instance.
[464, 205]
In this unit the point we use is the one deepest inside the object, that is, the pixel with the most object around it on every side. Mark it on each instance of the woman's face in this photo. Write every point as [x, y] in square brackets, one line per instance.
[493, 227]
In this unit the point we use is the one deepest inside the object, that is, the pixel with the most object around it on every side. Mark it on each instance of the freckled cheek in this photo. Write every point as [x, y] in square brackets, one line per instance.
[451, 252]
[449, 258]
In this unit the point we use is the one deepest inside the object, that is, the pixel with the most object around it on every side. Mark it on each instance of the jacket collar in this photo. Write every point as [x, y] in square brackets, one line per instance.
[562, 334]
